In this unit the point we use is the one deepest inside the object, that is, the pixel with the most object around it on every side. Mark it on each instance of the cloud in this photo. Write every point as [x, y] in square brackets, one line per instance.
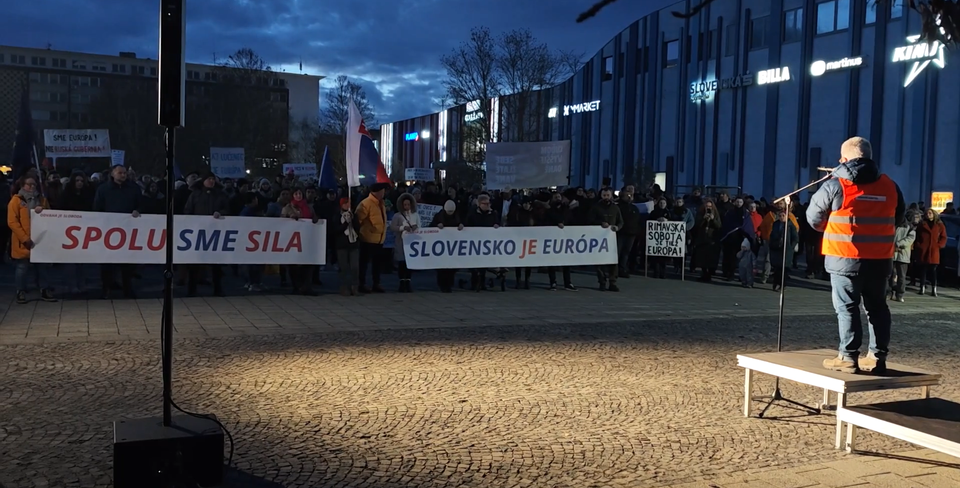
[391, 47]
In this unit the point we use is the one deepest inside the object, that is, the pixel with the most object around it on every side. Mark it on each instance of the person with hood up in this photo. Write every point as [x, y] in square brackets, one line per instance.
[448, 217]
[206, 198]
[858, 257]
[153, 202]
[906, 235]
[265, 194]
[405, 221]
[606, 214]
[27, 202]
[746, 260]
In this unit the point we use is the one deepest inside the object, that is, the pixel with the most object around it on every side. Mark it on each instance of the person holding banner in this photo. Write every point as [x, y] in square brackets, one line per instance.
[20, 209]
[483, 216]
[118, 195]
[558, 214]
[347, 242]
[406, 220]
[207, 198]
[448, 217]
[607, 215]
[521, 215]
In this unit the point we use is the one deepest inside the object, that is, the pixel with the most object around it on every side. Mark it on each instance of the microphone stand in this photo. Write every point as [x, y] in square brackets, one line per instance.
[777, 394]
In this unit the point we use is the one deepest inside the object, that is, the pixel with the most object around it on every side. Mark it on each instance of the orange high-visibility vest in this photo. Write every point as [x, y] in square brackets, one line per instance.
[864, 226]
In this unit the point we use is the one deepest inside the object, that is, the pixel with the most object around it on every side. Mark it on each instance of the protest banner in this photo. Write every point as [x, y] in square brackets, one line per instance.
[418, 174]
[390, 238]
[509, 247]
[427, 212]
[666, 239]
[97, 237]
[116, 157]
[527, 164]
[76, 143]
[228, 162]
[301, 170]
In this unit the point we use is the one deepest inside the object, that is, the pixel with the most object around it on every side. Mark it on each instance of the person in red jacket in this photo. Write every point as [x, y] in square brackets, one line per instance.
[931, 238]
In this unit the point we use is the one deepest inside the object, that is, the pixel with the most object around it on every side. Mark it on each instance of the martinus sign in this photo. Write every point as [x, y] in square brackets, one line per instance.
[704, 90]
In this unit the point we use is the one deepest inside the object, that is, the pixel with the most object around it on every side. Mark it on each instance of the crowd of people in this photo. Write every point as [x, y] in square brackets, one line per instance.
[733, 237]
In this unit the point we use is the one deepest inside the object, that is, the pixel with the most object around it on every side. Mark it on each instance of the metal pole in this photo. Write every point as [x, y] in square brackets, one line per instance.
[167, 354]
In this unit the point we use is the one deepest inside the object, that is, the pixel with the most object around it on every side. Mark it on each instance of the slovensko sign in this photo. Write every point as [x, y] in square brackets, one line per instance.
[227, 162]
[509, 247]
[704, 90]
[96, 237]
[666, 239]
[76, 143]
[527, 164]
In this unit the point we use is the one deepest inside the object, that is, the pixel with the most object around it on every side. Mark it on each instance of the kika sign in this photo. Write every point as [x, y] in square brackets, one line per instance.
[666, 239]
[509, 247]
[96, 237]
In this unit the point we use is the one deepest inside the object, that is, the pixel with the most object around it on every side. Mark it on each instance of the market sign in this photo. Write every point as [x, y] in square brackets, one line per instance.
[921, 54]
[704, 90]
[818, 68]
[581, 108]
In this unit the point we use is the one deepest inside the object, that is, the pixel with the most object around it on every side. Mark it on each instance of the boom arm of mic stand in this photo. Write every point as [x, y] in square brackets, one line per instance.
[815, 183]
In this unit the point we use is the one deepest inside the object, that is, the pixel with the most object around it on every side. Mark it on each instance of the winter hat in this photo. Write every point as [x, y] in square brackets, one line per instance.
[344, 201]
[262, 181]
[745, 243]
[450, 206]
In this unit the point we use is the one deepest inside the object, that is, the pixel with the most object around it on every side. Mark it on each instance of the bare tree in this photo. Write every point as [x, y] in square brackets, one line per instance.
[335, 115]
[940, 19]
[472, 74]
[304, 146]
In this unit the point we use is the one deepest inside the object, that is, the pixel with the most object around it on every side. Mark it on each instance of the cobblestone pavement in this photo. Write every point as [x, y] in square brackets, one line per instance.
[610, 402]
[269, 314]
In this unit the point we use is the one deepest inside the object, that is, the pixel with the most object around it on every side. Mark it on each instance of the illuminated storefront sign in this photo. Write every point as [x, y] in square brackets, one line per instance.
[940, 199]
[411, 136]
[552, 113]
[818, 68]
[473, 111]
[775, 75]
[581, 108]
[704, 90]
[921, 53]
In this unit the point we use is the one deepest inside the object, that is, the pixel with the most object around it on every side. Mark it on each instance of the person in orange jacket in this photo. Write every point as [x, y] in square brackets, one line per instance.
[20, 210]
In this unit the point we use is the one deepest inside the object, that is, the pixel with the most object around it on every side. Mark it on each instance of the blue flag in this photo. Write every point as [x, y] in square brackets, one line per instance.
[327, 179]
[23, 147]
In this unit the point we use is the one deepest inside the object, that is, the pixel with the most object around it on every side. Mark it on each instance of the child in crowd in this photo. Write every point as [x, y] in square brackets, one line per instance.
[747, 260]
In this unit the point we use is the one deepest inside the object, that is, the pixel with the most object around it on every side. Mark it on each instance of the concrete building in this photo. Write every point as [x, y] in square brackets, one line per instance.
[755, 94]
[64, 87]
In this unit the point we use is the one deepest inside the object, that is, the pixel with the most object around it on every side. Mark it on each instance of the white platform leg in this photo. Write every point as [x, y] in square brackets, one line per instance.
[841, 403]
[826, 400]
[924, 392]
[851, 435]
[747, 392]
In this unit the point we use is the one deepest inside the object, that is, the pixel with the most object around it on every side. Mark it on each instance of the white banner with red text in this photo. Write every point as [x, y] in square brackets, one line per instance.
[97, 237]
[509, 247]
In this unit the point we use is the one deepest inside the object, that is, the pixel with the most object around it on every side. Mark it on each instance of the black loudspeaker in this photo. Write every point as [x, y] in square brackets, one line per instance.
[172, 69]
[148, 455]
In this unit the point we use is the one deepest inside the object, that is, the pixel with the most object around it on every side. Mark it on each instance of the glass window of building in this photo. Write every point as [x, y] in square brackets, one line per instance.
[793, 25]
[758, 33]
[38, 61]
[730, 42]
[832, 16]
[843, 14]
[896, 9]
[607, 68]
[671, 53]
[870, 16]
[18, 59]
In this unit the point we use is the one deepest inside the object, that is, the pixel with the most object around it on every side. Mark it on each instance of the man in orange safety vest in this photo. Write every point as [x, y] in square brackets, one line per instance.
[858, 211]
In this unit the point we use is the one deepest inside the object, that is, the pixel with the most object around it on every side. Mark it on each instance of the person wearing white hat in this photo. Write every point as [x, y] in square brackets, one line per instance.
[746, 259]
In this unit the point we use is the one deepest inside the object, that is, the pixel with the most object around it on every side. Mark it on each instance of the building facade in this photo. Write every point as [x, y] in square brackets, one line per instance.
[71, 90]
[747, 94]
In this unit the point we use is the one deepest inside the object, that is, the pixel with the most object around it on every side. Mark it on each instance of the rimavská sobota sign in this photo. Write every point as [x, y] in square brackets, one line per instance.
[95, 237]
[76, 143]
[666, 239]
[509, 247]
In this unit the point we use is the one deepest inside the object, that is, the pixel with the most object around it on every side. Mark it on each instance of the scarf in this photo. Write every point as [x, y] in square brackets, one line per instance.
[350, 232]
[31, 199]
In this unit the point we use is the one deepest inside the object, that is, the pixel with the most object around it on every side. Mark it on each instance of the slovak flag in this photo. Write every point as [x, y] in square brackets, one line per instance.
[363, 162]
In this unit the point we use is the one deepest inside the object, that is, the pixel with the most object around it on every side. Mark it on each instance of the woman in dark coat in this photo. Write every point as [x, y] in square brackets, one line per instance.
[706, 241]
[779, 243]
[931, 238]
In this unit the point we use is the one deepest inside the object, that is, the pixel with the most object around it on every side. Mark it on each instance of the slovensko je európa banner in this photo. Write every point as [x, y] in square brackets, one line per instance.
[95, 237]
[509, 247]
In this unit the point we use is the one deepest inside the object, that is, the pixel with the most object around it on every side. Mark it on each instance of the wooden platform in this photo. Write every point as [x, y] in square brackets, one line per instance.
[933, 423]
[806, 367]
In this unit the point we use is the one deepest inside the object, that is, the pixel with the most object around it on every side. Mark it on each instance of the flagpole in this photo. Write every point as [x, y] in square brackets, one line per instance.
[36, 163]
